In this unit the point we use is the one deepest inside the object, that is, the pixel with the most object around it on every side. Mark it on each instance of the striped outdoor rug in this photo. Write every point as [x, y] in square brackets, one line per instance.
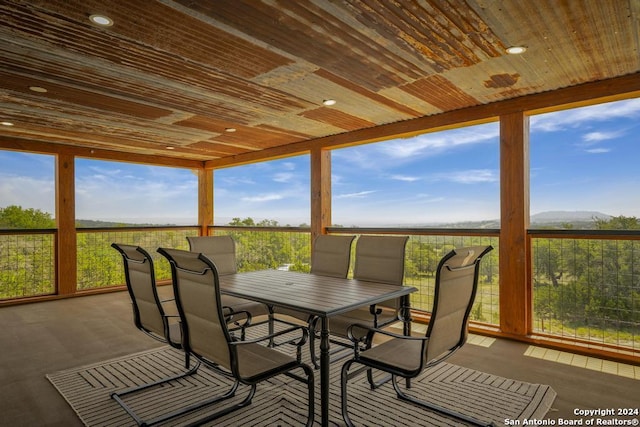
[282, 401]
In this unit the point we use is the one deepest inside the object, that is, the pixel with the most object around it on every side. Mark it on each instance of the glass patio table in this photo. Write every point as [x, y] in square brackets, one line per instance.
[320, 296]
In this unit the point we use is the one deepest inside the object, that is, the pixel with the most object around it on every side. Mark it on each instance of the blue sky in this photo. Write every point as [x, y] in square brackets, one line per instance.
[581, 159]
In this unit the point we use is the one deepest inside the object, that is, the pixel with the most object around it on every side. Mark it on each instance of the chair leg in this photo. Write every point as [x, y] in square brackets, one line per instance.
[375, 384]
[311, 397]
[344, 378]
[118, 395]
[372, 383]
[228, 410]
[182, 411]
[161, 381]
[309, 381]
[438, 408]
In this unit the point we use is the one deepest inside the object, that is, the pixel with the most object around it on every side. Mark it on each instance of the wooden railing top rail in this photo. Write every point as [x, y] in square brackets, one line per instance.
[135, 228]
[372, 230]
[259, 228]
[549, 233]
[418, 231]
[587, 234]
[13, 231]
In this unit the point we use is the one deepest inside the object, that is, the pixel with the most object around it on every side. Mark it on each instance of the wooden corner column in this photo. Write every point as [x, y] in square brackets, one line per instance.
[515, 304]
[67, 246]
[320, 191]
[205, 200]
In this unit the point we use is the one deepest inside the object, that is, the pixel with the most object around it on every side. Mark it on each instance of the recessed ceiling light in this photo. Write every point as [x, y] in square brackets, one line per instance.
[328, 102]
[6, 123]
[230, 130]
[102, 20]
[516, 50]
[38, 89]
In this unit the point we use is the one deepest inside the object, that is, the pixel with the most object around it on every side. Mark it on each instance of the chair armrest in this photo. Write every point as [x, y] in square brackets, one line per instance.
[372, 331]
[303, 338]
[299, 344]
[367, 337]
[235, 316]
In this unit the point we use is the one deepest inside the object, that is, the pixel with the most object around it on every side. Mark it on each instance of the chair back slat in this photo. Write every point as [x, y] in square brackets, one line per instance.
[455, 290]
[220, 249]
[331, 255]
[197, 293]
[140, 279]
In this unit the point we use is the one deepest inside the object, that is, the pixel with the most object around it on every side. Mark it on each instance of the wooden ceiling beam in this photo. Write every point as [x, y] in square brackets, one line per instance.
[575, 96]
[17, 144]
[603, 91]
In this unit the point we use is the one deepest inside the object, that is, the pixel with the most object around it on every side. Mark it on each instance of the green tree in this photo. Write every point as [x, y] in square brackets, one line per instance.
[27, 264]
[421, 260]
[247, 222]
[590, 283]
[618, 223]
[16, 217]
[258, 250]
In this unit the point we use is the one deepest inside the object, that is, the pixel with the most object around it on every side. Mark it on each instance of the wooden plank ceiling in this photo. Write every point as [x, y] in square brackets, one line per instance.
[180, 73]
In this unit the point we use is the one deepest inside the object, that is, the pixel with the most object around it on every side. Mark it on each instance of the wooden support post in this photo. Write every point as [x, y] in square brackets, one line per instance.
[515, 297]
[205, 200]
[67, 245]
[320, 191]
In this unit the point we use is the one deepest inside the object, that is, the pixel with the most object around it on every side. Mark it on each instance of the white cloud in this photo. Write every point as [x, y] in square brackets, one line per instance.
[420, 210]
[135, 193]
[287, 165]
[283, 177]
[27, 192]
[354, 195]
[576, 117]
[262, 198]
[336, 179]
[471, 176]
[405, 178]
[391, 153]
[594, 137]
[427, 198]
[435, 143]
[598, 150]
[101, 170]
[236, 180]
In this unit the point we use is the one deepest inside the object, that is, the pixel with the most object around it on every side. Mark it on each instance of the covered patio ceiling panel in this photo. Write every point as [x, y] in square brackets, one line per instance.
[177, 73]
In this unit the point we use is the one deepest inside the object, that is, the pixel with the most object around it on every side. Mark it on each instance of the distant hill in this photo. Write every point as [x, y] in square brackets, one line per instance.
[89, 223]
[568, 216]
[552, 219]
[581, 220]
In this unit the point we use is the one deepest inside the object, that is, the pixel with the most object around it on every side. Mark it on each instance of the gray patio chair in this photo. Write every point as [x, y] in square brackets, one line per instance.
[149, 316]
[157, 318]
[206, 336]
[377, 259]
[406, 357]
[330, 256]
[149, 311]
[222, 251]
